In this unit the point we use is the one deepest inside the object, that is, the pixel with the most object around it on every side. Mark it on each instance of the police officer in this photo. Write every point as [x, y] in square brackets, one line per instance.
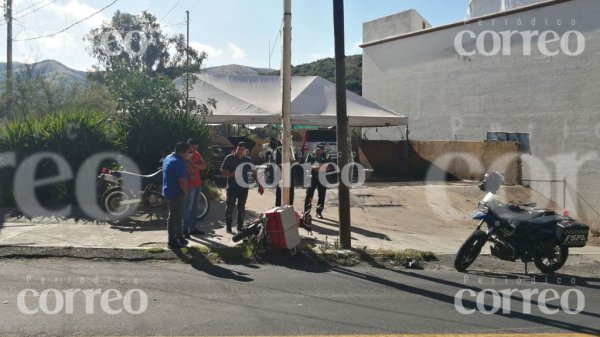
[318, 161]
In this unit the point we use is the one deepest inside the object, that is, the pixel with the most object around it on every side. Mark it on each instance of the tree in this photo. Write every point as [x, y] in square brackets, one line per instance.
[152, 116]
[137, 43]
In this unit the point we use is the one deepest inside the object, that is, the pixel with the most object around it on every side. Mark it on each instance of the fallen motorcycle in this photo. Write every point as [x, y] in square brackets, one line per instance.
[120, 202]
[269, 229]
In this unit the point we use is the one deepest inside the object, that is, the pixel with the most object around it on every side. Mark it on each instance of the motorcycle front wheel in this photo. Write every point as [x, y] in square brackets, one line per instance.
[112, 200]
[247, 232]
[203, 207]
[469, 251]
[551, 259]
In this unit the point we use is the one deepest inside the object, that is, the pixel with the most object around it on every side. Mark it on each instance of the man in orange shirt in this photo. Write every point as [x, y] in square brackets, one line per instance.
[195, 164]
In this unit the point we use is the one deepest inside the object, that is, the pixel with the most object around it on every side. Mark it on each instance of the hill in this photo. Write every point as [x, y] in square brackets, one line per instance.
[50, 69]
[325, 68]
[236, 69]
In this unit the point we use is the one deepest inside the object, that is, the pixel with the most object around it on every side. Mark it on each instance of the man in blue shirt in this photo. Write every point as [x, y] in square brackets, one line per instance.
[175, 191]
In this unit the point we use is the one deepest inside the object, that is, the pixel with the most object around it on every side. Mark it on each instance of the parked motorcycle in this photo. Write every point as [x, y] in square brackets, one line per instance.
[119, 201]
[520, 231]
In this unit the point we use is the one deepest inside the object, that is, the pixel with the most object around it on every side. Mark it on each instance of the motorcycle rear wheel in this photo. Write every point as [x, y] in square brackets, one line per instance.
[112, 202]
[550, 260]
[469, 250]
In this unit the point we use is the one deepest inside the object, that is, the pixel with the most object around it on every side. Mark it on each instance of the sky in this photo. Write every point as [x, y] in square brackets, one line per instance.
[230, 31]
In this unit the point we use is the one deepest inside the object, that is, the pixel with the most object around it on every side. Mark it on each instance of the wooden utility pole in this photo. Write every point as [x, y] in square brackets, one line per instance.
[286, 119]
[187, 65]
[9, 62]
[342, 123]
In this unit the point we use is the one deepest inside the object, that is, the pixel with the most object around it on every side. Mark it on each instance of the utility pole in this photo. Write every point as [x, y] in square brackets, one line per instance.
[286, 82]
[342, 122]
[187, 65]
[9, 63]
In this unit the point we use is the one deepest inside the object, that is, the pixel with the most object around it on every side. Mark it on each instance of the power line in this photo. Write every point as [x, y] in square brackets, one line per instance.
[33, 5]
[275, 41]
[175, 24]
[34, 10]
[170, 10]
[69, 27]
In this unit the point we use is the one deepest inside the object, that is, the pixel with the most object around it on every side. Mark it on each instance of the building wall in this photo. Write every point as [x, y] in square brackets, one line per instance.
[434, 159]
[400, 23]
[556, 99]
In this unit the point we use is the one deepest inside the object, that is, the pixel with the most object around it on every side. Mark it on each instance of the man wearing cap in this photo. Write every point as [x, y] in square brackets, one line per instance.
[237, 167]
[318, 161]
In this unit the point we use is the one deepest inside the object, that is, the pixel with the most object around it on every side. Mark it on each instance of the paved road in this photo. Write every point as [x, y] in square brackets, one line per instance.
[298, 299]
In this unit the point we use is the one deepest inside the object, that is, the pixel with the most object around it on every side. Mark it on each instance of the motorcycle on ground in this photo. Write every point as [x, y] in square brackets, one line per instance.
[120, 202]
[521, 232]
[257, 229]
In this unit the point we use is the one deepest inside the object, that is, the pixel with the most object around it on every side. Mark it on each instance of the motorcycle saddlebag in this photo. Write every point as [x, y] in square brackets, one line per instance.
[572, 234]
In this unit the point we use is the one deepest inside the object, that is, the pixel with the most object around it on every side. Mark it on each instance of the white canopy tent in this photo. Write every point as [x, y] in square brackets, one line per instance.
[257, 100]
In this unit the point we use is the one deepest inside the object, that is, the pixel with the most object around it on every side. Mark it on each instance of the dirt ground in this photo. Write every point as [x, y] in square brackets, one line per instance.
[396, 216]
[409, 215]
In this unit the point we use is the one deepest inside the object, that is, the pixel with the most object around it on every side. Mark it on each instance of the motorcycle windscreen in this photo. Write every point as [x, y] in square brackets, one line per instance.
[480, 215]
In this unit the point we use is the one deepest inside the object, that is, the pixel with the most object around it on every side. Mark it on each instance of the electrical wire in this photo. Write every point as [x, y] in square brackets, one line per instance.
[69, 27]
[175, 24]
[276, 39]
[170, 10]
[34, 10]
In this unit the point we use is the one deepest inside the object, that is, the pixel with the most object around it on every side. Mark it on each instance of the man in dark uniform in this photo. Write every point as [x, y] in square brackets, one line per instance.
[237, 184]
[318, 160]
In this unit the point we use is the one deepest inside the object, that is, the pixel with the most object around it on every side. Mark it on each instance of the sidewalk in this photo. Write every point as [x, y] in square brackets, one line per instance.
[390, 216]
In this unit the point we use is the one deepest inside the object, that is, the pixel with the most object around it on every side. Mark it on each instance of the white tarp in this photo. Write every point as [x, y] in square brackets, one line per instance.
[257, 100]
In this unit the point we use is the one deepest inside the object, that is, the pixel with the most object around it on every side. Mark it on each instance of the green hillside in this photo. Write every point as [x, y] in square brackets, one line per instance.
[326, 69]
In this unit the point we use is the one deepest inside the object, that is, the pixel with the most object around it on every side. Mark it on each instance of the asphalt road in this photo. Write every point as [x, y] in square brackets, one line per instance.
[298, 299]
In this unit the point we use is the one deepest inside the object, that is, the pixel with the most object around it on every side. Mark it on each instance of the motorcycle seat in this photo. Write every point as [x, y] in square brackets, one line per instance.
[545, 220]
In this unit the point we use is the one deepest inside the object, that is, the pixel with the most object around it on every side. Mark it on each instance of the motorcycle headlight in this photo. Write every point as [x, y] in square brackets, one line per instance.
[111, 178]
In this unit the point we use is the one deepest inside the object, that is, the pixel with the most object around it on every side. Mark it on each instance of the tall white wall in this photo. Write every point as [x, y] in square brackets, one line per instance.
[556, 99]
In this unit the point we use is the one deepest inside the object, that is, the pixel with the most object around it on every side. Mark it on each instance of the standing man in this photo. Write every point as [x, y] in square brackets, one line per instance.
[318, 160]
[194, 165]
[237, 184]
[175, 188]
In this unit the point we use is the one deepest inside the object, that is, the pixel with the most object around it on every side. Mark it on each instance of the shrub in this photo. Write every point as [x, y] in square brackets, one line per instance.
[74, 135]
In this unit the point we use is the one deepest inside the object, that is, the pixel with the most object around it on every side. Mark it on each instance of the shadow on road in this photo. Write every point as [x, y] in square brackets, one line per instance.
[200, 263]
[354, 229]
[558, 279]
[468, 304]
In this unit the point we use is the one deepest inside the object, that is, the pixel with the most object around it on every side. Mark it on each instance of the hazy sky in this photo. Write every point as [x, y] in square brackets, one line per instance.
[230, 31]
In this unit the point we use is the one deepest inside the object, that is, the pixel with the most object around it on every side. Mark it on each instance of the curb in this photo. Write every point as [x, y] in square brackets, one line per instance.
[24, 252]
